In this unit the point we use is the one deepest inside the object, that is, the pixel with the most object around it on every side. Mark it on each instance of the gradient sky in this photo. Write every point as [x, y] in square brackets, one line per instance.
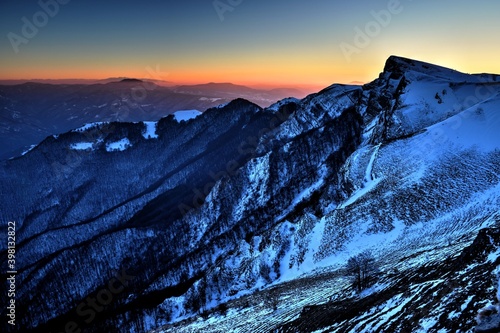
[259, 41]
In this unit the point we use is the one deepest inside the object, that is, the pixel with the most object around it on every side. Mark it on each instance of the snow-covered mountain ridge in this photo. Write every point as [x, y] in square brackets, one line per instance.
[241, 203]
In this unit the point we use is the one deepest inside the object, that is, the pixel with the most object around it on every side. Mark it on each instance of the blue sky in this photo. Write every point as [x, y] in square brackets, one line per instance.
[296, 42]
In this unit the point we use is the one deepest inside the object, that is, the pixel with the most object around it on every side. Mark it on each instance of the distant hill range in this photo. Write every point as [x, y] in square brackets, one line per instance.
[232, 91]
[83, 81]
[31, 111]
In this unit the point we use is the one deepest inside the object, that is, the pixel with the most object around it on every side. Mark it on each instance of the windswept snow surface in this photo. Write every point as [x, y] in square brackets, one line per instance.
[369, 168]
[185, 115]
[474, 127]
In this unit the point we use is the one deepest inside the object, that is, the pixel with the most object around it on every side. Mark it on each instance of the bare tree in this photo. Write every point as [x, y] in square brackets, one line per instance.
[361, 269]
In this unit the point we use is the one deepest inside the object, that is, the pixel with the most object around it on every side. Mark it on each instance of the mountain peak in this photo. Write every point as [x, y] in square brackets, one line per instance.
[397, 63]
[131, 80]
[243, 103]
[399, 66]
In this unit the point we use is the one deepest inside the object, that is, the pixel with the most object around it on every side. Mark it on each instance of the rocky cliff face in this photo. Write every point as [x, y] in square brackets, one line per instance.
[241, 202]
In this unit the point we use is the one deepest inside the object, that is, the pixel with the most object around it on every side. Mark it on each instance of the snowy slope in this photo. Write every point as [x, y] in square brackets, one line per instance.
[426, 176]
[184, 115]
[258, 210]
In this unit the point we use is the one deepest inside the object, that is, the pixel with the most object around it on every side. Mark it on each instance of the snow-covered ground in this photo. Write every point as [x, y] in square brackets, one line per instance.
[150, 130]
[185, 115]
[28, 150]
[411, 204]
[82, 146]
[406, 167]
[120, 145]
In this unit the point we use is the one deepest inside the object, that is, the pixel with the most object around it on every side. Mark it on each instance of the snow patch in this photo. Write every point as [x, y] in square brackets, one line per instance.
[28, 150]
[150, 131]
[314, 243]
[427, 323]
[118, 145]
[369, 182]
[360, 193]
[82, 146]
[373, 289]
[221, 106]
[492, 257]
[306, 193]
[466, 303]
[275, 107]
[89, 126]
[185, 115]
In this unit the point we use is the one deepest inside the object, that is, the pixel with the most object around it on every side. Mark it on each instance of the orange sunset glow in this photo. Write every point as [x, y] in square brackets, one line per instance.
[255, 44]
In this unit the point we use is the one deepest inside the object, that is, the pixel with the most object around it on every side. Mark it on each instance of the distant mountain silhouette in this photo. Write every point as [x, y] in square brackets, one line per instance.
[132, 80]
[262, 97]
[35, 110]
